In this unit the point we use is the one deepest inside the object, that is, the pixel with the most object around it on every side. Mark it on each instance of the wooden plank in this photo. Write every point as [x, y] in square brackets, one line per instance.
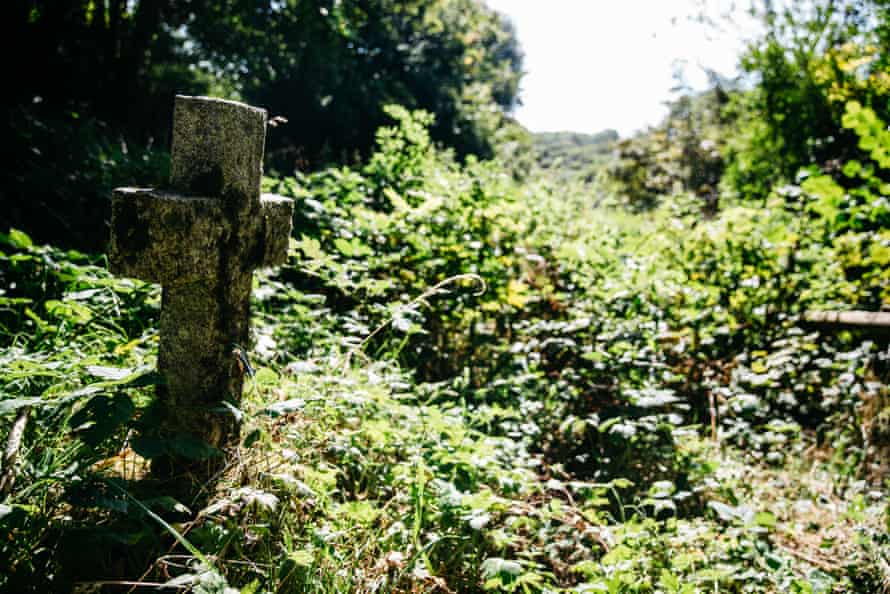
[876, 322]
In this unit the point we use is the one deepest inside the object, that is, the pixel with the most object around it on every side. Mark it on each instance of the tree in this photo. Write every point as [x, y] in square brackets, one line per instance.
[91, 103]
[682, 153]
[118, 61]
[811, 59]
[330, 68]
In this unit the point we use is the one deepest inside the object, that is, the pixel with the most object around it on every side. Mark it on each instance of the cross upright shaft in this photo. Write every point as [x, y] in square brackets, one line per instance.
[201, 244]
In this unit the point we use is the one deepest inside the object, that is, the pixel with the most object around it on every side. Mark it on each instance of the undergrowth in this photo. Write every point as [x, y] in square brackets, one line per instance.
[631, 405]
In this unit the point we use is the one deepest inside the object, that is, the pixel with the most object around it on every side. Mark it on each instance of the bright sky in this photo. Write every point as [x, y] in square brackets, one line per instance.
[596, 64]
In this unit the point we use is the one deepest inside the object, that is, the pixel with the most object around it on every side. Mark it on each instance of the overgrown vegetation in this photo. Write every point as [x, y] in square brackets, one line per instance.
[604, 402]
[471, 380]
[101, 77]
[572, 155]
[742, 139]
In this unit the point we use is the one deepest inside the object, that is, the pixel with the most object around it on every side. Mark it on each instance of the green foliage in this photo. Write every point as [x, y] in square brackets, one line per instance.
[74, 345]
[326, 69]
[404, 150]
[59, 170]
[857, 213]
[331, 67]
[682, 154]
[117, 62]
[789, 113]
[572, 154]
[813, 58]
[630, 404]
[599, 340]
[872, 132]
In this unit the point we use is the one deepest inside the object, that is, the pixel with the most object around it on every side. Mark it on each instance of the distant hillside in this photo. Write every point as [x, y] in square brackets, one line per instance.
[573, 153]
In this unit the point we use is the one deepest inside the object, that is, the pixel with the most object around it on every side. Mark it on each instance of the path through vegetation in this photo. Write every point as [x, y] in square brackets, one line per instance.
[629, 406]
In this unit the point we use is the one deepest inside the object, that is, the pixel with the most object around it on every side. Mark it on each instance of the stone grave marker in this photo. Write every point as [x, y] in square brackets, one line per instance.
[201, 241]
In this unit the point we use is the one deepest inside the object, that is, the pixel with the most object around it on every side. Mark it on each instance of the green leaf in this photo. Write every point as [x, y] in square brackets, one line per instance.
[617, 555]
[101, 416]
[179, 537]
[311, 248]
[142, 378]
[14, 300]
[285, 408]
[18, 239]
[302, 557]
[189, 446]
[852, 168]
[765, 519]
[266, 377]
[774, 561]
[122, 377]
[344, 247]
[724, 512]
[167, 504]
[40, 322]
[109, 373]
[828, 193]
[148, 447]
[669, 581]
[14, 513]
[229, 408]
[403, 324]
[77, 313]
[11, 405]
[252, 438]
[621, 483]
[497, 567]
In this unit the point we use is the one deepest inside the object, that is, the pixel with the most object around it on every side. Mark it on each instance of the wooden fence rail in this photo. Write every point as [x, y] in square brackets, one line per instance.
[873, 322]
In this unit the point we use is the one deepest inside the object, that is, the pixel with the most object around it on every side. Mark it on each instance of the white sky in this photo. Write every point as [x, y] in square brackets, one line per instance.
[596, 64]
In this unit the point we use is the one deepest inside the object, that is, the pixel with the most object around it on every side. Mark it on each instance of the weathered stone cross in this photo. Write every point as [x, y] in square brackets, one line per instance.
[201, 242]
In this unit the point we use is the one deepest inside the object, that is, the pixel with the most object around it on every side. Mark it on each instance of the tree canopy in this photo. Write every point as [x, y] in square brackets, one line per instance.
[327, 66]
[92, 103]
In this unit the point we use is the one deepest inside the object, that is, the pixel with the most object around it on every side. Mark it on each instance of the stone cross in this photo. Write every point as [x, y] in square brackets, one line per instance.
[201, 241]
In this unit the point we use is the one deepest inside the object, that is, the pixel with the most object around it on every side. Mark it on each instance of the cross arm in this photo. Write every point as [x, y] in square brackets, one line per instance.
[277, 214]
[162, 237]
